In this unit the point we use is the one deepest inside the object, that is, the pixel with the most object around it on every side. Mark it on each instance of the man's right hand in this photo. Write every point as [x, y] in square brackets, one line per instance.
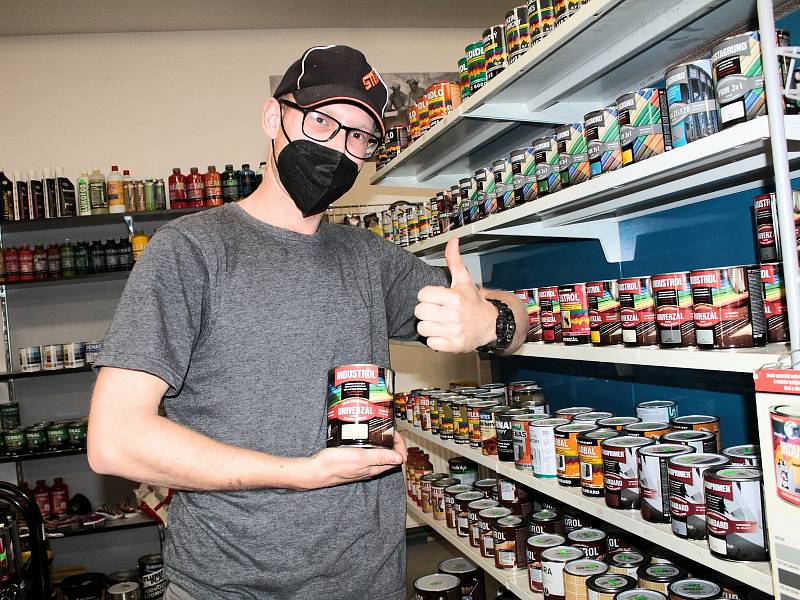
[337, 466]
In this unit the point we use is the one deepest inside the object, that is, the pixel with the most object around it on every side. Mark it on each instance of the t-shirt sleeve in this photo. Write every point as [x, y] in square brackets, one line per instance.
[161, 312]
[403, 275]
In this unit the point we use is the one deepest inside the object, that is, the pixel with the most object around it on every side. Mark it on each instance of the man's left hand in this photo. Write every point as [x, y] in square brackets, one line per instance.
[458, 318]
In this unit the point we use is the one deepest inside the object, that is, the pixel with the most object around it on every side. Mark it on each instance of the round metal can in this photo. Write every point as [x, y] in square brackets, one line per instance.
[621, 470]
[510, 534]
[643, 125]
[523, 453]
[450, 509]
[574, 303]
[471, 577]
[439, 586]
[76, 433]
[9, 415]
[14, 441]
[574, 519]
[702, 441]
[57, 436]
[413, 119]
[545, 521]
[505, 436]
[694, 589]
[566, 440]
[543, 447]
[626, 562]
[604, 313]
[426, 490]
[592, 417]
[463, 77]
[462, 511]
[488, 487]
[523, 167]
[692, 104]
[503, 188]
[661, 411]
[488, 431]
[461, 421]
[746, 454]
[659, 577]
[735, 513]
[535, 545]
[473, 524]
[442, 97]
[591, 460]
[570, 412]
[608, 585]
[687, 498]
[91, 350]
[438, 488]
[517, 29]
[654, 480]
[650, 429]
[576, 575]
[530, 396]
[446, 417]
[553, 562]
[424, 401]
[463, 469]
[641, 594]
[360, 411]
[396, 140]
[591, 541]
[637, 312]
[618, 423]
[708, 423]
[52, 357]
[30, 359]
[601, 128]
[775, 311]
[35, 439]
[674, 310]
[154, 582]
[521, 506]
[486, 520]
[494, 50]
[551, 314]
[476, 64]
[509, 490]
[548, 177]
[738, 79]
[573, 157]
[474, 415]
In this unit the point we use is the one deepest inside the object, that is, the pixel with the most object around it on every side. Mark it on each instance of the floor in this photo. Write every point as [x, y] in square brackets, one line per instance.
[425, 550]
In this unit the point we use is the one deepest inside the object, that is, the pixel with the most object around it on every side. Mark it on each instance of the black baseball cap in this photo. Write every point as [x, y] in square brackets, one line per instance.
[335, 73]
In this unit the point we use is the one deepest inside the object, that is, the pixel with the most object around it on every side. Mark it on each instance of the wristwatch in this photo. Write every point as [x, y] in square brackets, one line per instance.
[505, 327]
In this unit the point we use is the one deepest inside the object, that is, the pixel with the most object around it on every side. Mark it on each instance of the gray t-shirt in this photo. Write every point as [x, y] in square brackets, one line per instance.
[243, 321]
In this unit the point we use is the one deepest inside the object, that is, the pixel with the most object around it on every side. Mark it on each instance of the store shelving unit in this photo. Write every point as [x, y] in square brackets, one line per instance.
[95, 220]
[756, 575]
[25, 456]
[136, 522]
[36, 374]
[78, 279]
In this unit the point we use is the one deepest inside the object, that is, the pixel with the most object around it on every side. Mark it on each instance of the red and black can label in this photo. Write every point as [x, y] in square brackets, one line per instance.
[604, 314]
[550, 309]
[674, 310]
[637, 312]
[360, 411]
[775, 310]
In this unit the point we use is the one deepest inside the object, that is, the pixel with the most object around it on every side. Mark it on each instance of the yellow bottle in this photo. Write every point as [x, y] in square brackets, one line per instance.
[138, 243]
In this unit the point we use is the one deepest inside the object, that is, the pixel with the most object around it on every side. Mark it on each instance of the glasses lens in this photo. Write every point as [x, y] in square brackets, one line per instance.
[319, 126]
[362, 144]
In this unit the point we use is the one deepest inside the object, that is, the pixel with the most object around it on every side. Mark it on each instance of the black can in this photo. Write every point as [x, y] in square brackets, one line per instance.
[471, 577]
[76, 434]
[35, 439]
[87, 586]
[545, 521]
[151, 570]
[57, 437]
[14, 441]
[505, 440]
[9, 415]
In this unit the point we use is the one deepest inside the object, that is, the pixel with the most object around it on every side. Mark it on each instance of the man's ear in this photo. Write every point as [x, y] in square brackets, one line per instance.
[271, 118]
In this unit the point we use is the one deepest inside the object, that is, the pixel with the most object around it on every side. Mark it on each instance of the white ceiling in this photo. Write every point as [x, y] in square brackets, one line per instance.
[43, 17]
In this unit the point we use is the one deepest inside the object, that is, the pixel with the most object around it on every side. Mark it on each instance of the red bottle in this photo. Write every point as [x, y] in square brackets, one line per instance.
[213, 185]
[195, 189]
[177, 189]
[41, 495]
[39, 262]
[11, 256]
[59, 497]
[25, 263]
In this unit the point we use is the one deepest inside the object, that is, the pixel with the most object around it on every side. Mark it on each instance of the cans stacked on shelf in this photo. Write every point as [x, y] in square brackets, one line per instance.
[670, 468]
[40, 437]
[53, 357]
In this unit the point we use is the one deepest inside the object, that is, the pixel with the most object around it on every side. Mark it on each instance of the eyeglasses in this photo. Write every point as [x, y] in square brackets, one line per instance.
[321, 127]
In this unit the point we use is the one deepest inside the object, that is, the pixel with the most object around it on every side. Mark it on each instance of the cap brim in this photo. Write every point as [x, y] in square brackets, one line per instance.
[318, 95]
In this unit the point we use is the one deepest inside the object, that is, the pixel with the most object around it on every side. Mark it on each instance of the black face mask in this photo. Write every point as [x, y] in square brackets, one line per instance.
[315, 176]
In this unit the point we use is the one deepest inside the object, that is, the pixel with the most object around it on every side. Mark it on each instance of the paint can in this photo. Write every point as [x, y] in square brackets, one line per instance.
[767, 232]
[608, 585]
[505, 436]
[488, 487]
[692, 102]
[546, 155]
[746, 454]
[601, 128]
[439, 586]
[659, 577]
[154, 581]
[523, 169]
[438, 488]
[488, 431]
[470, 576]
[9, 416]
[694, 589]
[510, 534]
[592, 541]
[573, 155]
[474, 202]
[463, 78]
[91, 350]
[626, 562]
[426, 491]
[708, 423]
[476, 65]
[545, 18]
[591, 460]
[786, 451]
[396, 140]
[553, 562]
[687, 499]
[637, 312]
[503, 184]
[648, 429]
[484, 179]
[543, 447]
[654, 480]
[735, 513]
[701, 441]
[474, 508]
[494, 49]
[30, 359]
[592, 417]
[52, 357]
[462, 503]
[574, 305]
[674, 310]
[643, 125]
[546, 521]
[450, 505]
[663, 411]
[531, 299]
[574, 519]
[463, 469]
[618, 423]
[566, 441]
[729, 307]
[474, 408]
[518, 37]
[535, 545]
[74, 355]
[461, 420]
[523, 454]
[641, 594]
[577, 574]
[423, 114]
[521, 506]
[604, 313]
[443, 97]
[486, 520]
[775, 310]
[571, 412]
[530, 397]
[551, 314]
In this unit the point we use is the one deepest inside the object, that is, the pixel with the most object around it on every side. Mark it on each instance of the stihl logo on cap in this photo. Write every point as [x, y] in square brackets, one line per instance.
[370, 80]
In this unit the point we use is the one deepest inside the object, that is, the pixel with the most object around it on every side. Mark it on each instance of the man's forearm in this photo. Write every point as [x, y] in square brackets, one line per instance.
[520, 316]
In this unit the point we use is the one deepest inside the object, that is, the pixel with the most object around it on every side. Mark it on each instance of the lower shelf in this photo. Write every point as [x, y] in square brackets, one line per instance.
[516, 581]
[41, 455]
[136, 522]
[756, 575]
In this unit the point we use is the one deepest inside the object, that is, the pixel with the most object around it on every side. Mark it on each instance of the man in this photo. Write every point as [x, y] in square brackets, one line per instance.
[232, 318]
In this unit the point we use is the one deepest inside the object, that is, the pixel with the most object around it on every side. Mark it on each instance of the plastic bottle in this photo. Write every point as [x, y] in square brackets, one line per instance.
[39, 262]
[97, 257]
[50, 198]
[160, 194]
[35, 194]
[112, 255]
[66, 194]
[149, 195]
[177, 189]
[230, 185]
[84, 201]
[6, 197]
[195, 192]
[81, 258]
[115, 191]
[97, 193]
[247, 181]
[59, 497]
[129, 190]
[262, 166]
[68, 259]
[125, 255]
[213, 187]
[11, 258]
[138, 243]
[53, 261]
[41, 495]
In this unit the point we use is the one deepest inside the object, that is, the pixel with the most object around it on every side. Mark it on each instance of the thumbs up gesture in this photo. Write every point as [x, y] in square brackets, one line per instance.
[458, 318]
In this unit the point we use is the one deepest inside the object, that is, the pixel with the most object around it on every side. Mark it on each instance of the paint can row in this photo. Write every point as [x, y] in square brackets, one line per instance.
[726, 307]
[53, 357]
[457, 579]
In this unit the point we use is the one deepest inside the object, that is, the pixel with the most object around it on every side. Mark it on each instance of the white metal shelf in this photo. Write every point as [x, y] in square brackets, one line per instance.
[608, 48]
[516, 581]
[756, 575]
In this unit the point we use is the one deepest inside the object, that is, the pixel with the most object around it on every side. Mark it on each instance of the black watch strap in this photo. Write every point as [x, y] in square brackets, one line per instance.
[505, 327]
